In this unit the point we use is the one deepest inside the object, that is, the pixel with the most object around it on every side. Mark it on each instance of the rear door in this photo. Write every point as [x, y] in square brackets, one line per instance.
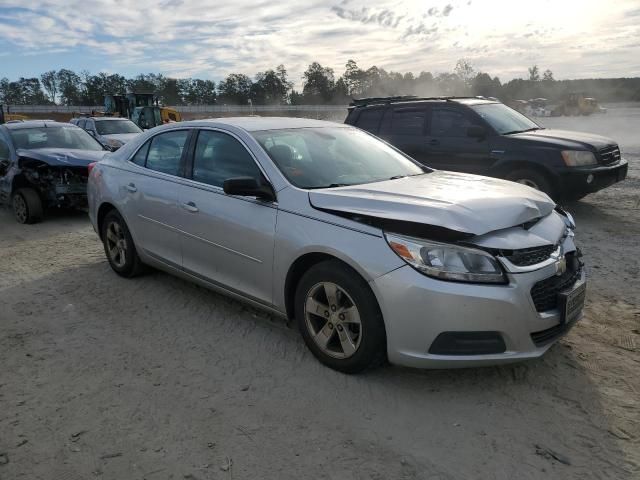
[5, 165]
[448, 147]
[404, 127]
[150, 187]
[226, 240]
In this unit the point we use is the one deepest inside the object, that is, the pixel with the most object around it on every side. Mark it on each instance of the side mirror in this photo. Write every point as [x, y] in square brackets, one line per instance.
[4, 166]
[476, 131]
[248, 187]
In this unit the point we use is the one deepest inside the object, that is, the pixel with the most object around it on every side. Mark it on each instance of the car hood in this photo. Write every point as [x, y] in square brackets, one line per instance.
[122, 137]
[62, 157]
[465, 203]
[566, 138]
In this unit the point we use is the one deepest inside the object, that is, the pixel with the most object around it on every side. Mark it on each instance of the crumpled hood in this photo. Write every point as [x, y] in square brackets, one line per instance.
[121, 137]
[62, 157]
[566, 138]
[457, 201]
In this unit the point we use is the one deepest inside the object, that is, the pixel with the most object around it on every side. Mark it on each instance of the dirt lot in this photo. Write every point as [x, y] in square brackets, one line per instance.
[155, 378]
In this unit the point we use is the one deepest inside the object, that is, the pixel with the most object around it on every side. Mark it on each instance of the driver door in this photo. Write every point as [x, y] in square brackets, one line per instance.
[226, 240]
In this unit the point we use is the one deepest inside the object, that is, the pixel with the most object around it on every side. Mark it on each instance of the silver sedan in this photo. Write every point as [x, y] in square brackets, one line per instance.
[376, 256]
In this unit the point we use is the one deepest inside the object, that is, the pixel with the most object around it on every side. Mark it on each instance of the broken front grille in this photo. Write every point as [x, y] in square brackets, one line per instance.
[530, 256]
[610, 154]
[545, 292]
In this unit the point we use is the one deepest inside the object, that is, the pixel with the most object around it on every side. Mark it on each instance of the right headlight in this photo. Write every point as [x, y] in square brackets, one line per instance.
[446, 261]
[578, 158]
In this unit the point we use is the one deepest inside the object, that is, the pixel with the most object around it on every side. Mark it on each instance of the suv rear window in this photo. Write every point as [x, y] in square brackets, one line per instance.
[408, 121]
[369, 119]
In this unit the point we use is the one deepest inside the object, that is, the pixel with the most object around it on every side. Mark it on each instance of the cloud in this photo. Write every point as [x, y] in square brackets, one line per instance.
[211, 39]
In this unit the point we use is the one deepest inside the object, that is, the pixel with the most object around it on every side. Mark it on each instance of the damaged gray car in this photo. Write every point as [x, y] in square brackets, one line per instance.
[44, 164]
[374, 255]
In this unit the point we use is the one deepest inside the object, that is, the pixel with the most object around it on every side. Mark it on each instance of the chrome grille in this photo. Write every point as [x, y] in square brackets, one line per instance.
[610, 154]
[530, 256]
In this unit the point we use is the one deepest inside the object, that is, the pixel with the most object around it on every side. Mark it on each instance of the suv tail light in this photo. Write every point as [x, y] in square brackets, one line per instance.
[90, 166]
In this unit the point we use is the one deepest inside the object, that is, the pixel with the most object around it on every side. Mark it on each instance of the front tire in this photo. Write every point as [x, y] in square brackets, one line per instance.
[119, 247]
[27, 206]
[339, 318]
[533, 179]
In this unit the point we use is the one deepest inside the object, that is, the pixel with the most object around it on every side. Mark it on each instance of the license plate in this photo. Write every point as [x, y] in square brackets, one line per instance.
[573, 302]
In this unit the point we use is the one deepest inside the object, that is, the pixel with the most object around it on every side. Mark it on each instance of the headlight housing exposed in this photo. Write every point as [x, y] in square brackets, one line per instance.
[446, 261]
[578, 158]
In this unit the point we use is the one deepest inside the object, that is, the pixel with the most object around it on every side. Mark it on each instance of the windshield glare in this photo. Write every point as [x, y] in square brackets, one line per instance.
[72, 138]
[333, 156]
[110, 127]
[504, 119]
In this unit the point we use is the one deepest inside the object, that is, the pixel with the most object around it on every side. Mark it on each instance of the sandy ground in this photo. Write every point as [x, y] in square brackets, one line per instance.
[155, 378]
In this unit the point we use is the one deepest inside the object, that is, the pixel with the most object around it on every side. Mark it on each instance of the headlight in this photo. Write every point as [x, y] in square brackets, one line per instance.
[446, 261]
[578, 158]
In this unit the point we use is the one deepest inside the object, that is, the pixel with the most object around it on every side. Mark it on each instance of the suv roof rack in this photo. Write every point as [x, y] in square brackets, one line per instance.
[361, 102]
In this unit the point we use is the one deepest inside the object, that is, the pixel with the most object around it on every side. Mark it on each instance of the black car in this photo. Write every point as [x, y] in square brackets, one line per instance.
[485, 137]
[44, 164]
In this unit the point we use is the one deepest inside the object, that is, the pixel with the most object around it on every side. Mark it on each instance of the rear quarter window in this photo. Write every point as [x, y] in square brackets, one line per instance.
[369, 119]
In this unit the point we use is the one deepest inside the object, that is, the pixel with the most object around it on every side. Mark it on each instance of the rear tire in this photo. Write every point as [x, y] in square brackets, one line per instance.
[532, 179]
[27, 206]
[339, 318]
[119, 247]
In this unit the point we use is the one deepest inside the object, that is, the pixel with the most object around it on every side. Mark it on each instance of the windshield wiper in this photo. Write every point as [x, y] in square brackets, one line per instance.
[522, 131]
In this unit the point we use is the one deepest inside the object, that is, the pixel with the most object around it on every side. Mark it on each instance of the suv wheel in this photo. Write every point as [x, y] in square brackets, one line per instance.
[27, 206]
[531, 178]
[339, 318]
[118, 246]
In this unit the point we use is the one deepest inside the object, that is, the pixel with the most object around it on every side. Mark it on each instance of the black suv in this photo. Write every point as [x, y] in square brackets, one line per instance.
[485, 137]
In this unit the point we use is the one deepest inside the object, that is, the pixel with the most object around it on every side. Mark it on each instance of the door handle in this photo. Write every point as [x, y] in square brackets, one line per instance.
[190, 207]
[132, 188]
[434, 141]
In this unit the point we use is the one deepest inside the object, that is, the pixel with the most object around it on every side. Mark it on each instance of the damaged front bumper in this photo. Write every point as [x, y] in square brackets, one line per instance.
[432, 323]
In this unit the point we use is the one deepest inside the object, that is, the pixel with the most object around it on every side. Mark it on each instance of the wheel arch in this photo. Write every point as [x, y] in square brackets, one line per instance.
[103, 210]
[301, 265]
[503, 169]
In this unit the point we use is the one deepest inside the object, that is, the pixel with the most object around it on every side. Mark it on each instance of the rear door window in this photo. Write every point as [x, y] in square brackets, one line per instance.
[408, 121]
[165, 152]
[369, 119]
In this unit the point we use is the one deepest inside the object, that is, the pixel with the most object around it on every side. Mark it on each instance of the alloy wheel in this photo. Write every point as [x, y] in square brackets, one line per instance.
[116, 244]
[528, 183]
[333, 320]
[20, 208]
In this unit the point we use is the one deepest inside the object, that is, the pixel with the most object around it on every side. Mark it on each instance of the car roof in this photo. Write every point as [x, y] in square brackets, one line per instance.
[411, 100]
[36, 124]
[254, 124]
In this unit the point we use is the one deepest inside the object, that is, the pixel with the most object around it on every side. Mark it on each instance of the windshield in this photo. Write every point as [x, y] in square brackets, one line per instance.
[333, 156]
[72, 138]
[503, 119]
[110, 127]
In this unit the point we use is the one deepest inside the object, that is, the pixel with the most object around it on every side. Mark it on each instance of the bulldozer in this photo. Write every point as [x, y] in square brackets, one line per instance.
[576, 104]
[143, 109]
[10, 117]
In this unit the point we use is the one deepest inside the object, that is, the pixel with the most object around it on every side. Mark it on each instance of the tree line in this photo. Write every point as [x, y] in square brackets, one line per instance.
[320, 85]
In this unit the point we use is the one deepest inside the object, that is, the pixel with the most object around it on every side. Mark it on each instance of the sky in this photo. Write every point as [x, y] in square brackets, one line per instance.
[210, 39]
